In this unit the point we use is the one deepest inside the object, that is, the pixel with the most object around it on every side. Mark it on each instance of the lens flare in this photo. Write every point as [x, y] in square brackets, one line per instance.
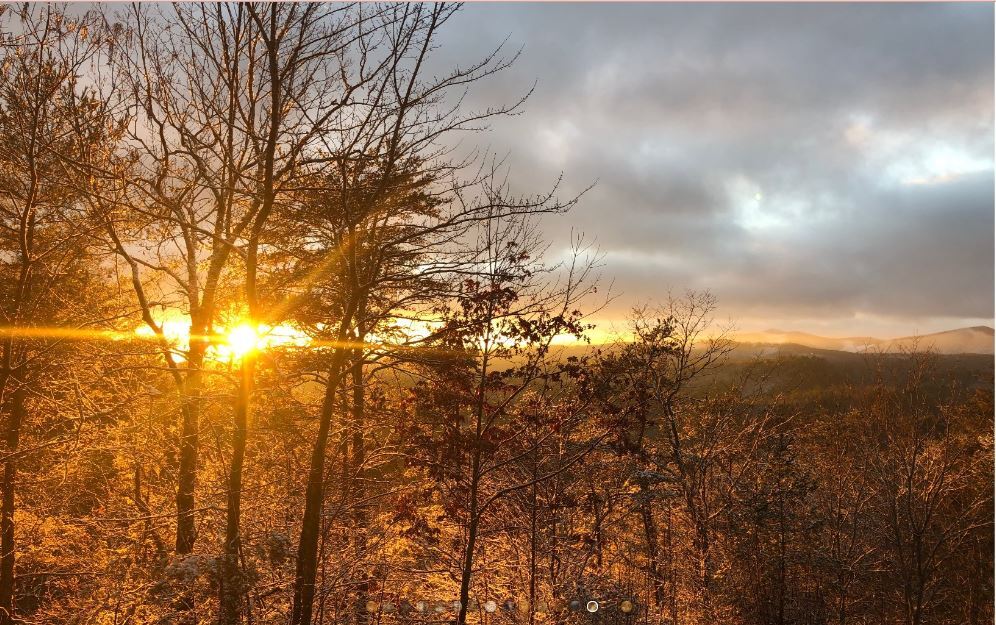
[242, 339]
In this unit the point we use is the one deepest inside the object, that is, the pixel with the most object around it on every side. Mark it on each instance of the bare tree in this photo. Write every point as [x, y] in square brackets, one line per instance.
[379, 243]
[229, 101]
[687, 443]
[924, 490]
[509, 309]
[44, 227]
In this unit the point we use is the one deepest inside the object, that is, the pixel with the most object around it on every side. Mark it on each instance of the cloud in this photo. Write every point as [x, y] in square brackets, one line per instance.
[802, 161]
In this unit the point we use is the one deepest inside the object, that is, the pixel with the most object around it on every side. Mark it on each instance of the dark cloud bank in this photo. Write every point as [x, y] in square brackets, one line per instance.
[818, 167]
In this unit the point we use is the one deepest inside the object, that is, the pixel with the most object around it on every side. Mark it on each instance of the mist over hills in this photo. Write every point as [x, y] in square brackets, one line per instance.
[972, 340]
[975, 340]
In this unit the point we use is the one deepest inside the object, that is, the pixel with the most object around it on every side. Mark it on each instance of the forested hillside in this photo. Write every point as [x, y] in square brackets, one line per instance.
[277, 346]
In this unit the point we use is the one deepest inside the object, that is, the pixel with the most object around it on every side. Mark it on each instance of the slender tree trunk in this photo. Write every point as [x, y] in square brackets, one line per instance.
[142, 505]
[186, 531]
[358, 409]
[468, 556]
[701, 541]
[598, 518]
[533, 540]
[475, 485]
[307, 554]
[782, 564]
[7, 544]
[232, 584]
[555, 516]
[671, 575]
[977, 579]
[358, 490]
[653, 558]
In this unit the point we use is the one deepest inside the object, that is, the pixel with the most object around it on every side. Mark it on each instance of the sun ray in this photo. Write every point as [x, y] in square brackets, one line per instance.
[64, 333]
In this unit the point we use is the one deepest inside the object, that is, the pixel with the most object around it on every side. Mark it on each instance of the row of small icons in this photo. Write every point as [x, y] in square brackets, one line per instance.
[591, 606]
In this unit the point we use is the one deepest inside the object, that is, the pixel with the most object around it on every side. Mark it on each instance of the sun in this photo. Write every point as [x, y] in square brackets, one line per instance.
[242, 339]
[228, 342]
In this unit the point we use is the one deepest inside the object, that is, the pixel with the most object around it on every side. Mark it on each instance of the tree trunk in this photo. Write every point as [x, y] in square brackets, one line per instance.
[705, 567]
[358, 490]
[186, 531]
[533, 539]
[7, 544]
[468, 556]
[653, 559]
[782, 564]
[672, 591]
[232, 584]
[307, 553]
[475, 485]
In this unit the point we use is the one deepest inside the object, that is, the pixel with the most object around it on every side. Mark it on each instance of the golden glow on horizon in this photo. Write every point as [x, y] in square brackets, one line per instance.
[230, 343]
[405, 330]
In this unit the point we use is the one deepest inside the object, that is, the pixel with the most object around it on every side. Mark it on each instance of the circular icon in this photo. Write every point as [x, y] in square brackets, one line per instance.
[372, 606]
[456, 606]
[440, 607]
[421, 606]
[575, 606]
[626, 606]
[387, 607]
[490, 606]
[591, 606]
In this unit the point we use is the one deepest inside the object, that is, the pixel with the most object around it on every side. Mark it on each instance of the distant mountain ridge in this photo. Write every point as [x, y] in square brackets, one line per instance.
[972, 340]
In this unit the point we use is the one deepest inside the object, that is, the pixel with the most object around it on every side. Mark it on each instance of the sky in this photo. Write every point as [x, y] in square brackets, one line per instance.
[818, 167]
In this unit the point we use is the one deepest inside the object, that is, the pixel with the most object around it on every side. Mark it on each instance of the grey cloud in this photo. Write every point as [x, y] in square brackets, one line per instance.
[683, 113]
